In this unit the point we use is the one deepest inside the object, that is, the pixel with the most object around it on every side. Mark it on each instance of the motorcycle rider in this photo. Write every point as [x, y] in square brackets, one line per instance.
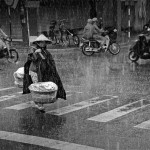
[97, 34]
[3, 45]
[88, 30]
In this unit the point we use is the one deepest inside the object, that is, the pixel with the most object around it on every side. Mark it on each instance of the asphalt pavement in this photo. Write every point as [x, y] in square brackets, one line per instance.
[107, 105]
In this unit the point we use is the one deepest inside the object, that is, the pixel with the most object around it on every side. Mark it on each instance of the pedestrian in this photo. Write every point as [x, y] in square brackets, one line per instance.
[41, 62]
[88, 30]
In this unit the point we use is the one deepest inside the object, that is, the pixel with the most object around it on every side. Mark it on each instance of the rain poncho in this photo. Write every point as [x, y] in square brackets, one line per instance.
[46, 71]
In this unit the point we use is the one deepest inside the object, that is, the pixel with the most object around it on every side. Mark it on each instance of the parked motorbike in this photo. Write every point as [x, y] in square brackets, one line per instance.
[12, 56]
[66, 33]
[91, 46]
[74, 36]
[52, 32]
[146, 26]
[141, 47]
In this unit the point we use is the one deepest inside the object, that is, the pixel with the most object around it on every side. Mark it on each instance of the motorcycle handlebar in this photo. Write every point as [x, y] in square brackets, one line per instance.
[7, 39]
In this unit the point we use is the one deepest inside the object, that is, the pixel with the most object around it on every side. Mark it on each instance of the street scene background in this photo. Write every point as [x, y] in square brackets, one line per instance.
[107, 106]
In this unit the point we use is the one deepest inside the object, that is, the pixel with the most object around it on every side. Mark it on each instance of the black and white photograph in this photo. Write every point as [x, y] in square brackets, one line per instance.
[74, 74]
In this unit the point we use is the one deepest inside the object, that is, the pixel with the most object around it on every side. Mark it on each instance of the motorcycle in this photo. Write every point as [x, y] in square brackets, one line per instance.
[141, 47]
[146, 26]
[63, 31]
[66, 33]
[12, 56]
[91, 46]
[52, 32]
[74, 36]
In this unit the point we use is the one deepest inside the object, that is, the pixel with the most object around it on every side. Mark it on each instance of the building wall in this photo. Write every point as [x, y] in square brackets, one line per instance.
[15, 21]
[75, 11]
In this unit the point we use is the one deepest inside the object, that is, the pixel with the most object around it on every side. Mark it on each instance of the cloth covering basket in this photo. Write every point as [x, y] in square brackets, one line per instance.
[40, 94]
[19, 74]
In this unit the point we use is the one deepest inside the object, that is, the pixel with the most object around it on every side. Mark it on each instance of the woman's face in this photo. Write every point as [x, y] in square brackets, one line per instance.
[42, 43]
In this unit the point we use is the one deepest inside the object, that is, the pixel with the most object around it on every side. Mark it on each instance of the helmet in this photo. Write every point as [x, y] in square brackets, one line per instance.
[94, 19]
[89, 20]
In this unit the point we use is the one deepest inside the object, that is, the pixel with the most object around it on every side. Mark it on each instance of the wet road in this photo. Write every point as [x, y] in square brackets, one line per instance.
[107, 107]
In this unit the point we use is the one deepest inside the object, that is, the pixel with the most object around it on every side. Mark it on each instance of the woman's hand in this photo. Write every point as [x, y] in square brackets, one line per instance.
[38, 51]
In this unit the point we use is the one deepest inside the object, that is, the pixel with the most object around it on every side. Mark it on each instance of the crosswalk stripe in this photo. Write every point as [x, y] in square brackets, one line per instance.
[44, 142]
[22, 106]
[74, 92]
[7, 97]
[3, 89]
[120, 111]
[80, 105]
[144, 125]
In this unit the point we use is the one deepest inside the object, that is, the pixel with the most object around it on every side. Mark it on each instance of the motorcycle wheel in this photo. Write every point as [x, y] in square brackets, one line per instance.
[14, 56]
[66, 41]
[85, 47]
[133, 56]
[114, 48]
[76, 40]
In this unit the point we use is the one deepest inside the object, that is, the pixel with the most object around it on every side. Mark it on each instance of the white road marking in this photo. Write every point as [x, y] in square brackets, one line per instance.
[8, 97]
[44, 142]
[118, 112]
[3, 89]
[80, 105]
[68, 95]
[74, 92]
[22, 106]
[144, 125]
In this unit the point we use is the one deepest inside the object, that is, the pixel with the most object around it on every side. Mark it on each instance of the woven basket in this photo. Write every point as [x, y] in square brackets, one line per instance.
[44, 97]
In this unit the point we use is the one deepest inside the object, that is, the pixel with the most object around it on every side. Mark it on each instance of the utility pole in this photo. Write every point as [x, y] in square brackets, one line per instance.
[9, 13]
[129, 3]
[119, 18]
[9, 3]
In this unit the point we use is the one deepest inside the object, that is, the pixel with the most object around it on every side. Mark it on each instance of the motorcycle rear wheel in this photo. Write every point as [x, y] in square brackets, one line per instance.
[66, 41]
[85, 52]
[76, 40]
[14, 56]
[133, 56]
[114, 48]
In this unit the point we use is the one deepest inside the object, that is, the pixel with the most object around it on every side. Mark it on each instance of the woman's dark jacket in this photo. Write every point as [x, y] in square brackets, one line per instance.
[46, 71]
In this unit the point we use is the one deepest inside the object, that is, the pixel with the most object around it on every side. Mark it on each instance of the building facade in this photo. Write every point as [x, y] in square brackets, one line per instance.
[39, 13]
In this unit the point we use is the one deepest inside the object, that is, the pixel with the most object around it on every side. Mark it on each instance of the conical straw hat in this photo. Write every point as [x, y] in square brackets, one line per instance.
[42, 38]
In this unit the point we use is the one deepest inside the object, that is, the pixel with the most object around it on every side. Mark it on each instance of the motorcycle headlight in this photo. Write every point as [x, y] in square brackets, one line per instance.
[148, 29]
[135, 40]
[115, 30]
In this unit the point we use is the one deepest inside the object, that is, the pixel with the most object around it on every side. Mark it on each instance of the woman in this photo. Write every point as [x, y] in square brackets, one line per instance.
[41, 62]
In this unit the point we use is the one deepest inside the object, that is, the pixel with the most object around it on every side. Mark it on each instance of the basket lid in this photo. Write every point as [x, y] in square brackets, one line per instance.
[43, 87]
